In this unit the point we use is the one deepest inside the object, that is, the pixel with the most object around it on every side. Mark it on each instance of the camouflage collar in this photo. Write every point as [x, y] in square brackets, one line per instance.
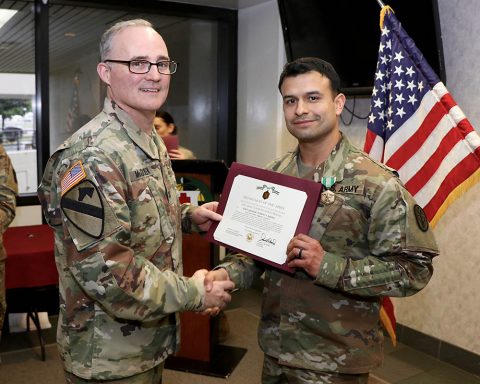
[334, 165]
[146, 142]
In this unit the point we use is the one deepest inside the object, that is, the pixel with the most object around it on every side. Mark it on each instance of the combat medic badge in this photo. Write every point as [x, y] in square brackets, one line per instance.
[328, 196]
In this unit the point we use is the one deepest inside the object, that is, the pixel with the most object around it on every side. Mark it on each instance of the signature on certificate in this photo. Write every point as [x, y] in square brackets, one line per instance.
[267, 240]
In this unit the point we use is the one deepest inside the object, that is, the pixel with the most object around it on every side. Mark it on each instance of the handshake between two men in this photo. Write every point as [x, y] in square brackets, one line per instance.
[217, 288]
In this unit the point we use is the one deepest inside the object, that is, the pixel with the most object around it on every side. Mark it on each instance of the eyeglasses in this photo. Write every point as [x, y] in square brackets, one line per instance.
[165, 67]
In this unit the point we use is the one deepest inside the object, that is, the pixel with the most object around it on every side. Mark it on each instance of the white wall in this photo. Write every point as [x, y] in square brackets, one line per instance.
[448, 308]
[30, 215]
[260, 133]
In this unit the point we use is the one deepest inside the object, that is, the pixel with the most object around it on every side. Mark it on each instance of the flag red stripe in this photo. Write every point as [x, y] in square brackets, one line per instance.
[433, 163]
[447, 102]
[461, 172]
[465, 128]
[369, 140]
[413, 144]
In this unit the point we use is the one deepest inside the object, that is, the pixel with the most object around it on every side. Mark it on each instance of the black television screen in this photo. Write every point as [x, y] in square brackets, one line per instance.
[347, 34]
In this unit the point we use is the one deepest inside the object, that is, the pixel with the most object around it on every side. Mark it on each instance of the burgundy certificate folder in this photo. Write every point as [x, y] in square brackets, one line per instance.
[262, 210]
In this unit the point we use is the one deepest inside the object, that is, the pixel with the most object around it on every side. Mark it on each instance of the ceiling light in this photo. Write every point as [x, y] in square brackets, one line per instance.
[5, 15]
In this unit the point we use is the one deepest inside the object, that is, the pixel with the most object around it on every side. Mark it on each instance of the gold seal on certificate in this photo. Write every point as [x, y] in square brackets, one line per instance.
[262, 210]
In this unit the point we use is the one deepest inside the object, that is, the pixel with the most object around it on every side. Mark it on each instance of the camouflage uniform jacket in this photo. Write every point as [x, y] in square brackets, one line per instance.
[373, 247]
[8, 191]
[109, 193]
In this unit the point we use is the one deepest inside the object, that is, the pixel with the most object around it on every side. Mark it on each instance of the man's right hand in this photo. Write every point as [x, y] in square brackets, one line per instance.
[220, 274]
[211, 278]
[217, 290]
[219, 294]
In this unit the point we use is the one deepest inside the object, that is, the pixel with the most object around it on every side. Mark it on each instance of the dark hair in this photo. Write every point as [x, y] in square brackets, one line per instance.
[309, 64]
[167, 118]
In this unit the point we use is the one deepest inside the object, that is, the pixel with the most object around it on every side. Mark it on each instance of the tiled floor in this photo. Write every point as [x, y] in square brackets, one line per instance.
[402, 365]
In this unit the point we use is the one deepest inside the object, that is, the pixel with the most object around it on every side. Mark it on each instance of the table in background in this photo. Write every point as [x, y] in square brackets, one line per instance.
[30, 266]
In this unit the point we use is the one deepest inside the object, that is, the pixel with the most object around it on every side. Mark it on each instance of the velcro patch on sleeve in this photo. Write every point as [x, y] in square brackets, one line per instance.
[83, 207]
[421, 218]
[72, 177]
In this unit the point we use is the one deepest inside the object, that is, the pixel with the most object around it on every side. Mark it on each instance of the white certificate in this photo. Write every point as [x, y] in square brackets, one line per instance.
[260, 218]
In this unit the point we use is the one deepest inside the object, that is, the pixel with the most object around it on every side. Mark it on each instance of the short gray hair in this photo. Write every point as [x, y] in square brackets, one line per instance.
[107, 37]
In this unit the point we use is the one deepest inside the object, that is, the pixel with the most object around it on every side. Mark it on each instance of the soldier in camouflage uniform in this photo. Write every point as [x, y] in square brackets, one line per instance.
[368, 239]
[8, 191]
[109, 193]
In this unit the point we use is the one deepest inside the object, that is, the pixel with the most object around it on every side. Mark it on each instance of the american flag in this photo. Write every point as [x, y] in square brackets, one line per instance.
[74, 108]
[415, 126]
[73, 176]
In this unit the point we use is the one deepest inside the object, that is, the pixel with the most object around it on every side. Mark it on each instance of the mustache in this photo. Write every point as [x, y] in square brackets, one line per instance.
[305, 118]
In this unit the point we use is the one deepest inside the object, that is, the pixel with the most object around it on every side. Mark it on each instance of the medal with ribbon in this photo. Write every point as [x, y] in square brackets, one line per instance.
[328, 196]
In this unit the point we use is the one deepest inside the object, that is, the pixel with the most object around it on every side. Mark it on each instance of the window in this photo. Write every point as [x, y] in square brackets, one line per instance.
[48, 64]
[17, 91]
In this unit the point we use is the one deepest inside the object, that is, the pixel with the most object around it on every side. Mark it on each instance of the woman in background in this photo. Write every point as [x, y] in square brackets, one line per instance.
[165, 127]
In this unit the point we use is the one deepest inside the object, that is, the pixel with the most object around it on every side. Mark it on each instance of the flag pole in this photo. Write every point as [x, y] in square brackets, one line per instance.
[380, 3]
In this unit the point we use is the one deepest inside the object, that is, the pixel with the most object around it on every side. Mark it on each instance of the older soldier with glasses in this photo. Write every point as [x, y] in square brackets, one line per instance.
[109, 193]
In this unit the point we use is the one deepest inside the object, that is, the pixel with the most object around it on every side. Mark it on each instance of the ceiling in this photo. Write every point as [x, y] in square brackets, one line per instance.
[74, 30]
[229, 4]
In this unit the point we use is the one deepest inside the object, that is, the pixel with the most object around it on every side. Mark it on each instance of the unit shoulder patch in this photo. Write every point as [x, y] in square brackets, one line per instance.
[83, 207]
[421, 218]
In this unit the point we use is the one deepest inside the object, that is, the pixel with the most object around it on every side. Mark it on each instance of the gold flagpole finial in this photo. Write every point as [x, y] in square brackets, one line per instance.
[385, 9]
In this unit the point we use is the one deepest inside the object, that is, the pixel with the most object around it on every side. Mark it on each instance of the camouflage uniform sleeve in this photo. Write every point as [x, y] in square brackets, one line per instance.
[188, 226]
[123, 265]
[401, 247]
[8, 191]
[135, 290]
[242, 270]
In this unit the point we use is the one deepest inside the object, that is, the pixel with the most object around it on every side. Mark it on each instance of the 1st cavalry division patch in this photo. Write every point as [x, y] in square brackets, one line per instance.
[83, 207]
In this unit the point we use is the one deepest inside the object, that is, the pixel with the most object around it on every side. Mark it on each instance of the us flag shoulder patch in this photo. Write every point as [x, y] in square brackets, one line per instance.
[73, 176]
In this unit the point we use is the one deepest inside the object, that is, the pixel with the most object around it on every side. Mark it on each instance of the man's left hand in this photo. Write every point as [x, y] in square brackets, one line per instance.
[305, 252]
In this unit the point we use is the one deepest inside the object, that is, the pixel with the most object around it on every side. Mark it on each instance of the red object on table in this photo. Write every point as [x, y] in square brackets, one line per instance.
[30, 257]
